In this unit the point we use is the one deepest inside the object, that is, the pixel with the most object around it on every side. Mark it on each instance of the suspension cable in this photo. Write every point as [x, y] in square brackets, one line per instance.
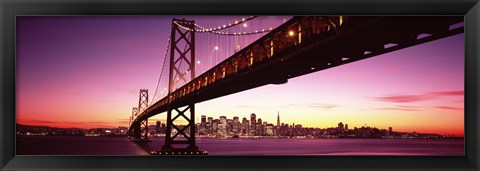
[225, 26]
[214, 31]
[163, 64]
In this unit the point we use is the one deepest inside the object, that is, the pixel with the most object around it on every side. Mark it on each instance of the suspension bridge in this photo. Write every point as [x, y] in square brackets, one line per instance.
[258, 53]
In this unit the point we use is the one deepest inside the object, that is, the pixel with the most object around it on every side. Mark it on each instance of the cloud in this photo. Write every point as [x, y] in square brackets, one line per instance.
[417, 108]
[123, 121]
[313, 105]
[448, 93]
[449, 108]
[323, 106]
[397, 108]
[401, 108]
[405, 98]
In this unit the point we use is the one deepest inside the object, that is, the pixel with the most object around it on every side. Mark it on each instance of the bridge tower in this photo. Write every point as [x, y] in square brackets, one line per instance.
[134, 113]
[182, 51]
[142, 105]
[137, 130]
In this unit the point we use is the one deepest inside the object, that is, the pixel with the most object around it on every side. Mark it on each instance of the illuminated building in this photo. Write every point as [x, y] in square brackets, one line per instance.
[253, 123]
[278, 119]
[270, 129]
[223, 120]
[244, 126]
[236, 125]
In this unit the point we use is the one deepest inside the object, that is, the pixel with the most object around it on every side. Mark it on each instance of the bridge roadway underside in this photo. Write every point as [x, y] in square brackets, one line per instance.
[359, 38]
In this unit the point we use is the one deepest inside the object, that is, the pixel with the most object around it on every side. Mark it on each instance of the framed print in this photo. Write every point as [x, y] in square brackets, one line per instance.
[225, 86]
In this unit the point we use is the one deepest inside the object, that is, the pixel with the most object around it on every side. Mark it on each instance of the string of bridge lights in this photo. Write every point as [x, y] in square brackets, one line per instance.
[243, 33]
[225, 26]
[161, 71]
[214, 30]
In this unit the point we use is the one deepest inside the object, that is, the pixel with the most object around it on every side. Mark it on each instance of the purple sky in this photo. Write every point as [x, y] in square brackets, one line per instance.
[87, 71]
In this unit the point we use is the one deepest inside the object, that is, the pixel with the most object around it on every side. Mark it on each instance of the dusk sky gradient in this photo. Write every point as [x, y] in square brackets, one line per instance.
[86, 72]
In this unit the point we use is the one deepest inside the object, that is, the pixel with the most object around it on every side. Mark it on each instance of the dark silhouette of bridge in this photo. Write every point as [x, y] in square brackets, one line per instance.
[299, 46]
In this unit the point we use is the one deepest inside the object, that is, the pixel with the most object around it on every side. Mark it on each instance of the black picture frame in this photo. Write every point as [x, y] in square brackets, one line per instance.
[11, 8]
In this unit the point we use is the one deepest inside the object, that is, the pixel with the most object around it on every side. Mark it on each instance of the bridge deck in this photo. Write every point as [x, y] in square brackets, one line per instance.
[304, 45]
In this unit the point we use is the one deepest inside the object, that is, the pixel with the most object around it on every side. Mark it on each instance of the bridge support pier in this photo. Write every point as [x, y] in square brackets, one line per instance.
[183, 134]
[137, 134]
[145, 130]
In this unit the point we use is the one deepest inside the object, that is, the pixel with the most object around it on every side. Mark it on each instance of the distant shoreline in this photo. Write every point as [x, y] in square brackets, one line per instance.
[362, 133]
[245, 137]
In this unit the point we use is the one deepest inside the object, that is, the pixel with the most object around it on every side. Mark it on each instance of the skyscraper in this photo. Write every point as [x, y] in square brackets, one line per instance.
[208, 126]
[210, 119]
[253, 118]
[259, 128]
[223, 120]
[244, 125]
[204, 119]
[278, 118]
[215, 124]
[340, 126]
[236, 125]
[253, 123]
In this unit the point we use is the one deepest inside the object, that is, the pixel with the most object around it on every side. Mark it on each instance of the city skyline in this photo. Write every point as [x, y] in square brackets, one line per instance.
[290, 124]
[414, 89]
[236, 127]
